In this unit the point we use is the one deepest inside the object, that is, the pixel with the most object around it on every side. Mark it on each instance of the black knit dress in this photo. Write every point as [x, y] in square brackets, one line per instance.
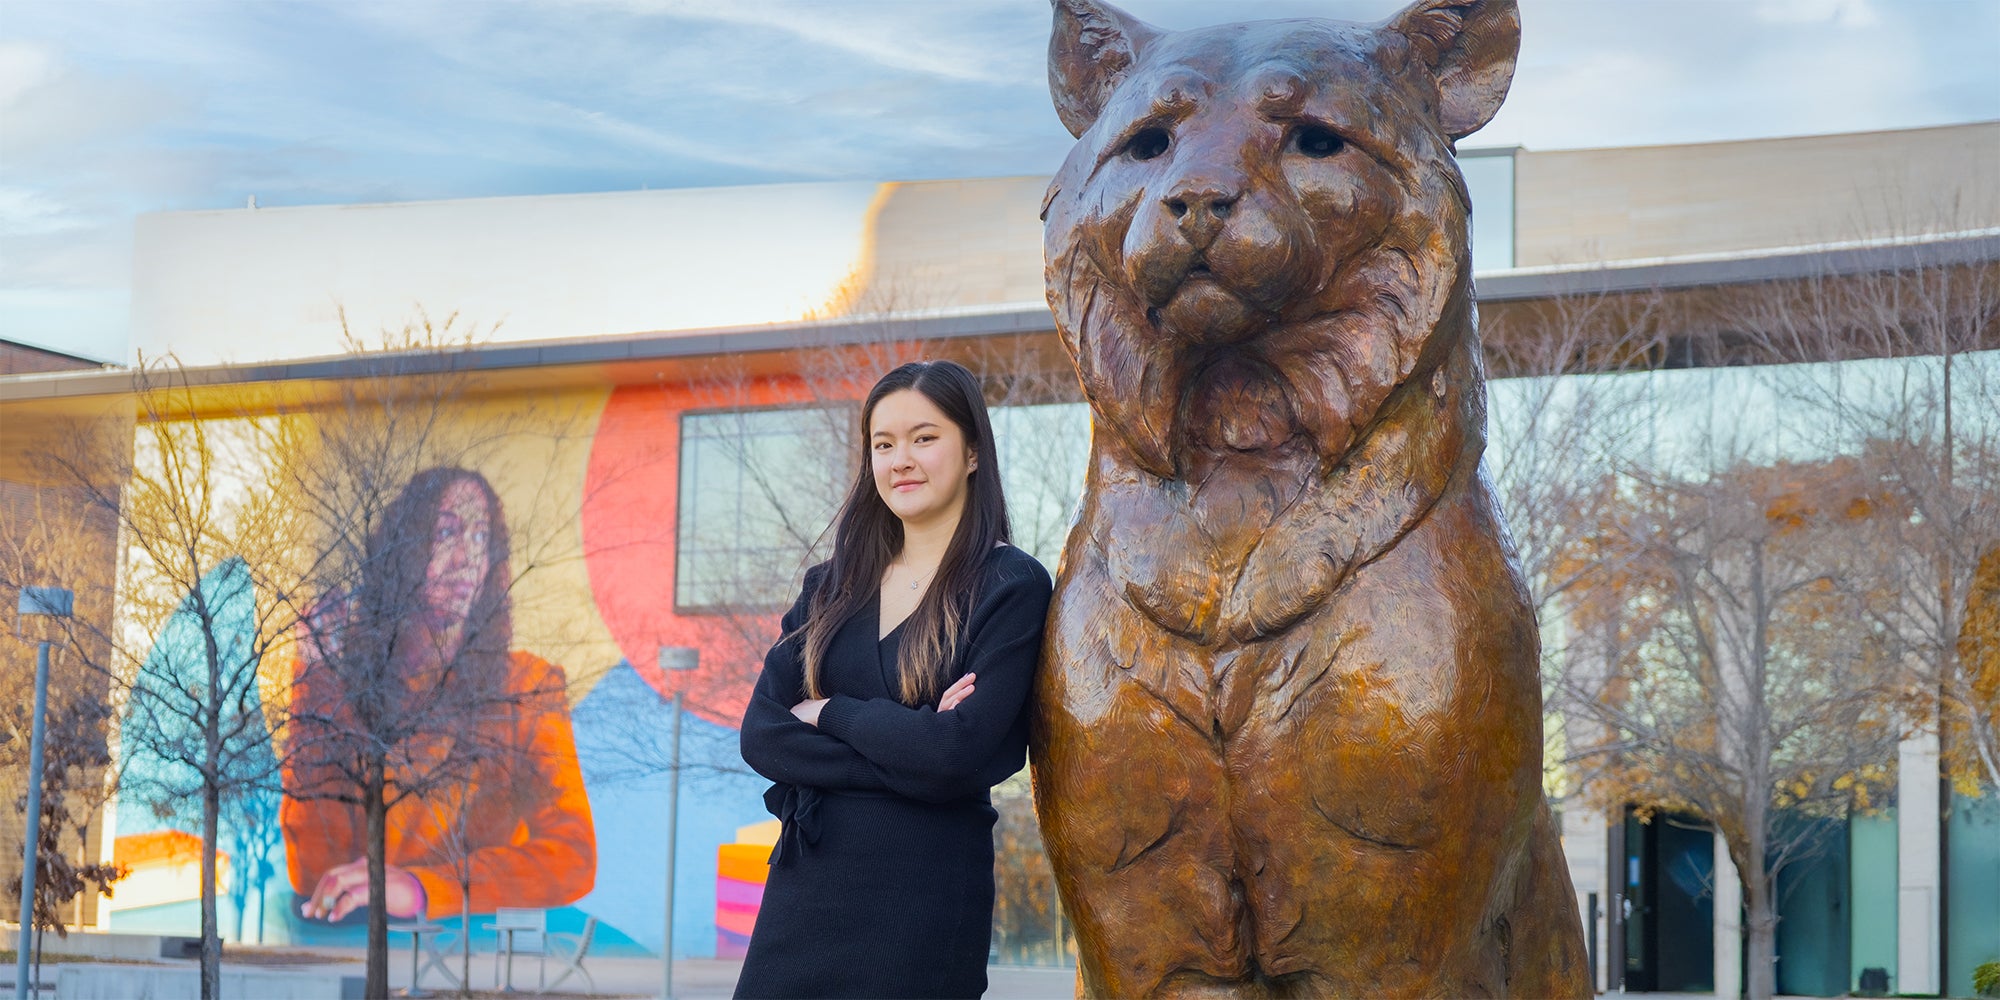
[882, 881]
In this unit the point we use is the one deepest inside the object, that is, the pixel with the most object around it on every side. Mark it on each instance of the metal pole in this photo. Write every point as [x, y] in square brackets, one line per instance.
[673, 831]
[31, 840]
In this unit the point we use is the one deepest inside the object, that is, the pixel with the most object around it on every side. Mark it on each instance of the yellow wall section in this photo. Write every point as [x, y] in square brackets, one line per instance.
[538, 471]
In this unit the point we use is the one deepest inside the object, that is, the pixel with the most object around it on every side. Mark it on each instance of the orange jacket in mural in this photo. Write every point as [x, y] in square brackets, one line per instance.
[528, 834]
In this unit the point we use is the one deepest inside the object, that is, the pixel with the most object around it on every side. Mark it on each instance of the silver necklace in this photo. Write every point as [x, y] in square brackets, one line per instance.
[919, 581]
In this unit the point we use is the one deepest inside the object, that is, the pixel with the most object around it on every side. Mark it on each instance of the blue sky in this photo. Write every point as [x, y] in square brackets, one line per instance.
[110, 109]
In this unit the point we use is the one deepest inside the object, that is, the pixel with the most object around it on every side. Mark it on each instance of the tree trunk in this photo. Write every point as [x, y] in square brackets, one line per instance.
[211, 936]
[1761, 941]
[465, 940]
[211, 799]
[376, 806]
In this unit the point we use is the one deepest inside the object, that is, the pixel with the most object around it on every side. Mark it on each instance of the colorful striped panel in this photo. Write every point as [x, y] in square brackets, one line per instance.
[735, 919]
[743, 862]
[729, 944]
[735, 893]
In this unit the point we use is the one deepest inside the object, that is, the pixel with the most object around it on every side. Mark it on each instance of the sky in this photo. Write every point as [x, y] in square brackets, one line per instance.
[113, 109]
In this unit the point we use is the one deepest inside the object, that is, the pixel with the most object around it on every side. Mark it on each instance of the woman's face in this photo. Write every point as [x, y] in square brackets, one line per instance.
[921, 459]
[458, 554]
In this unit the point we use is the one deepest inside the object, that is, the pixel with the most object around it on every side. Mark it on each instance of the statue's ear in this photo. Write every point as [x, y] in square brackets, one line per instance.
[1090, 48]
[1470, 46]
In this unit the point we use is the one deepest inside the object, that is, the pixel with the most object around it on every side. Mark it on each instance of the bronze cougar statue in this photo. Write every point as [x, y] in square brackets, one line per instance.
[1288, 731]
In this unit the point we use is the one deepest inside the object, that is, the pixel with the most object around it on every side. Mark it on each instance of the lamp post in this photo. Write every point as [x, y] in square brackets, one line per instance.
[53, 603]
[673, 660]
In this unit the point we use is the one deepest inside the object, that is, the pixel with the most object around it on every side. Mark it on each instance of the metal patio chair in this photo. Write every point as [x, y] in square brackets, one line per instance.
[570, 949]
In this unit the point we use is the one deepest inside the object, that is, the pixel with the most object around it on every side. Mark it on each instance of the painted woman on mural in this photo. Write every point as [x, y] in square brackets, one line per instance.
[891, 706]
[492, 728]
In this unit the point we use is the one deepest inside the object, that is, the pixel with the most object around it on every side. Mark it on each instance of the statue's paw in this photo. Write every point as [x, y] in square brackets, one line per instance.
[1281, 584]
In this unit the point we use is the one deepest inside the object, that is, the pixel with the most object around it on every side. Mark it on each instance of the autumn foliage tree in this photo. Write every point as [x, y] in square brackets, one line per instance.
[1741, 677]
[77, 762]
[1913, 393]
[51, 534]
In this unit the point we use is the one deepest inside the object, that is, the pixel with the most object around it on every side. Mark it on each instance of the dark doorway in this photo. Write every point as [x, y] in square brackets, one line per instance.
[1663, 919]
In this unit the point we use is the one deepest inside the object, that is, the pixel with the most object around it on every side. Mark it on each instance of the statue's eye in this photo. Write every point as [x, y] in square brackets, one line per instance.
[1317, 141]
[1147, 144]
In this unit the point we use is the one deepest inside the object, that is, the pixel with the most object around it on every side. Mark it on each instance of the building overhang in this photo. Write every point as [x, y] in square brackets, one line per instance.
[763, 349]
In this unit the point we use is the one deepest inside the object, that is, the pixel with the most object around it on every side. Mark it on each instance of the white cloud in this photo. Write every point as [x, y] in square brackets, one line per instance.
[32, 213]
[906, 36]
[1846, 13]
[111, 107]
[22, 68]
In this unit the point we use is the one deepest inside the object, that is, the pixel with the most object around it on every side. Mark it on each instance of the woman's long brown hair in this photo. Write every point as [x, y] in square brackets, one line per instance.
[868, 535]
[399, 556]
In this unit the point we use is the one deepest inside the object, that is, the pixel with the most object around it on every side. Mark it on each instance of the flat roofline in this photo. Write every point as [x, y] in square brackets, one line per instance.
[561, 196]
[663, 345]
[1982, 246]
[1514, 285]
[1755, 140]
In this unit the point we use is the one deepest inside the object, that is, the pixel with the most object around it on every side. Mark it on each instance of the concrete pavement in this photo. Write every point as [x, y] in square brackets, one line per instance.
[694, 978]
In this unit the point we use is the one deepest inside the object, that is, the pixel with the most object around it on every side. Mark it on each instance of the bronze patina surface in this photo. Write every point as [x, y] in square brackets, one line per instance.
[1289, 734]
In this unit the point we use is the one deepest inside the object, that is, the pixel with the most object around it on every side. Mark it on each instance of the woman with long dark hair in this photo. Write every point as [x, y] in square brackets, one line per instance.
[422, 647]
[893, 702]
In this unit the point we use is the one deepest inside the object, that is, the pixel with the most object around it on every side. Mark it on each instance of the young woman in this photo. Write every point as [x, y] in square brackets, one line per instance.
[891, 705]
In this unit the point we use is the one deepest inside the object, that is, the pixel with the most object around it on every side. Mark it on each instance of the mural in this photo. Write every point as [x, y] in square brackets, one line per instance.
[538, 574]
[509, 824]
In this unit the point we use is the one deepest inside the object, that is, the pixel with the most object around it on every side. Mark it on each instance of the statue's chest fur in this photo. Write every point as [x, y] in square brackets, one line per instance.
[1380, 644]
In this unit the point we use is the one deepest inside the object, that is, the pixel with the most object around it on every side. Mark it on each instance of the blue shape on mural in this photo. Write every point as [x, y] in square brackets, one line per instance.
[623, 746]
[164, 746]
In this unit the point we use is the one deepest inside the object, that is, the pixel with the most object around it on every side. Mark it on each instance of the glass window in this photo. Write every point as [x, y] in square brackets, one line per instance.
[1489, 178]
[1043, 451]
[758, 489]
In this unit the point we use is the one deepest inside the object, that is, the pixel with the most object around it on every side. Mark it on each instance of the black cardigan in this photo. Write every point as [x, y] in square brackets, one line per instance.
[868, 740]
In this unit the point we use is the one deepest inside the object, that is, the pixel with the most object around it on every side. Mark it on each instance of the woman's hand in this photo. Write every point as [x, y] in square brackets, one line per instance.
[959, 690]
[344, 889]
[807, 711]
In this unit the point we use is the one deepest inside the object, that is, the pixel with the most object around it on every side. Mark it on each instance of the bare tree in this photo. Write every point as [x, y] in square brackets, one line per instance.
[449, 832]
[404, 687]
[202, 599]
[1748, 686]
[1914, 392]
[1566, 405]
[1734, 564]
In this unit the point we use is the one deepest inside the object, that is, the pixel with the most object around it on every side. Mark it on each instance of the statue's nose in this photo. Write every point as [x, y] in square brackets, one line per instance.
[1201, 209]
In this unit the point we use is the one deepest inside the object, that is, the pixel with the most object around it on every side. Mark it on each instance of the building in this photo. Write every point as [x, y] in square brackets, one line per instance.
[665, 359]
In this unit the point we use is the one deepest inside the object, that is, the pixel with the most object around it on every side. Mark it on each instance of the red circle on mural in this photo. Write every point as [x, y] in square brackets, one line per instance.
[630, 507]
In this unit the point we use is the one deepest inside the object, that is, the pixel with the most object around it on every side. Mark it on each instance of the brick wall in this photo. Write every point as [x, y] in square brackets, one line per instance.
[48, 535]
[20, 359]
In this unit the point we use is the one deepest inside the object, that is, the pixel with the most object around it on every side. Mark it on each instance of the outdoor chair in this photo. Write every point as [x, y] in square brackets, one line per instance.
[570, 949]
[529, 937]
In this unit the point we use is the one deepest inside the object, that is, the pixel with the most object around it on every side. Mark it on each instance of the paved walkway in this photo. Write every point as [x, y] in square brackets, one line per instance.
[694, 978]
[714, 979]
